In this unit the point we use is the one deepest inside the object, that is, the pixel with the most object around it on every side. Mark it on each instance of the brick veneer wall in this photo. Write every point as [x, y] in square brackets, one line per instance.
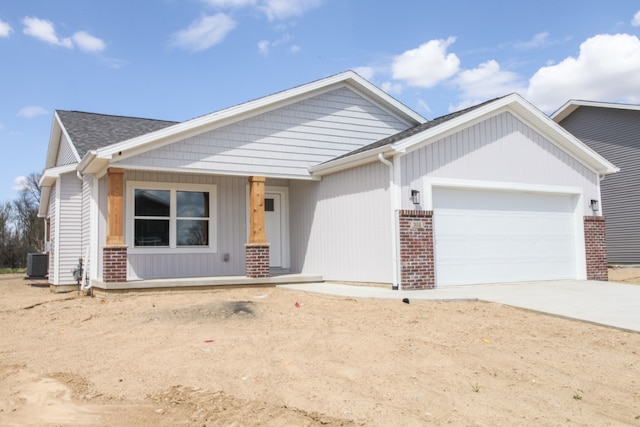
[257, 260]
[114, 264]
[595, 247]
[416, 249]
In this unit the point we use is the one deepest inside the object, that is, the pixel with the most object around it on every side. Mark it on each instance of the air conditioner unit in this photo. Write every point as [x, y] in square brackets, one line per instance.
[37, 265]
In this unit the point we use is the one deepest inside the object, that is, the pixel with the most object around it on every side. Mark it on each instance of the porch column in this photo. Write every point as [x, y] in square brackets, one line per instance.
[257, 249]
[114, 254]
[596, 248]
[416, 249]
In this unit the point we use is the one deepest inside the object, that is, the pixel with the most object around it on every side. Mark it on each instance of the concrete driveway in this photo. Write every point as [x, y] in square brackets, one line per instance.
[605, 303]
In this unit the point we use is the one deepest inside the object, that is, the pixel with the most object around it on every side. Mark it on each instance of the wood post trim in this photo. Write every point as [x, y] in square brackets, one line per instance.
[256, 210]
[115, 207]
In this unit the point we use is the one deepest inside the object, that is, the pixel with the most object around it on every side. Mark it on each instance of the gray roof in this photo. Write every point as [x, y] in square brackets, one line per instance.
[413, 130]
[90, 131]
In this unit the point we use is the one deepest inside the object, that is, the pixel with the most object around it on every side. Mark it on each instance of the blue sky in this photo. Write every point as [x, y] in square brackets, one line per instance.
[178, 59]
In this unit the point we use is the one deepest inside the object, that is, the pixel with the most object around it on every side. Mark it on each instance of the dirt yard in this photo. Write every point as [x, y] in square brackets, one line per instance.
[272, 357]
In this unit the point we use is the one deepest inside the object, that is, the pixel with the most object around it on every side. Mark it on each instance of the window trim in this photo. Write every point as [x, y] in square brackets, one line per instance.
[173, 188]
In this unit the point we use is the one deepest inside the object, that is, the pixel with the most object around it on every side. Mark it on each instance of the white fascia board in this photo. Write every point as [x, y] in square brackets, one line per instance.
[573, 104]
[45, 197]
[525, 111]
[57, 130]
[215, 172]
[258, 106]
[54, 141]
[51, 175]
[359, 159]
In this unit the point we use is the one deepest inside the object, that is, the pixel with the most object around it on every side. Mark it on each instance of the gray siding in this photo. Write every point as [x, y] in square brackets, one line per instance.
[283, 142]
[231, 233]
[615, 134]
[70, 227]
[340, 227]
[502, 149]
[65, 153]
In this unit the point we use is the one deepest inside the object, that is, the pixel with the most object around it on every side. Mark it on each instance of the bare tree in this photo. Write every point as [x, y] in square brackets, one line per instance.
[21, 231]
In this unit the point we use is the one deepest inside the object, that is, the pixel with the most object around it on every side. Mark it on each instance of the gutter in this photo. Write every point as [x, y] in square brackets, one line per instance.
[394, 230]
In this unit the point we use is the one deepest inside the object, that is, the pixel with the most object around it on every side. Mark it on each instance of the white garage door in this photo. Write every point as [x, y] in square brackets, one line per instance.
[495, 237]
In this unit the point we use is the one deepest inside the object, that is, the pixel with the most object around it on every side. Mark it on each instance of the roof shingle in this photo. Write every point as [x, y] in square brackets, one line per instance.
[90, 131]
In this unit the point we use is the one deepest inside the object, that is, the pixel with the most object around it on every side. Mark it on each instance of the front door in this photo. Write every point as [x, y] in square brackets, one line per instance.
[273, 227]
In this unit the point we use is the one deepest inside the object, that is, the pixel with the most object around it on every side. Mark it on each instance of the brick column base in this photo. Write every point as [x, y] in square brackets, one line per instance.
[257, 260]
[416, 250]
[596, 248]
[114, 264]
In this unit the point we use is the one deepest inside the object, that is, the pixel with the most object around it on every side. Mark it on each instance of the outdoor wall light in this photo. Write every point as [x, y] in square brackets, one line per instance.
[594, 205]
[415, 197]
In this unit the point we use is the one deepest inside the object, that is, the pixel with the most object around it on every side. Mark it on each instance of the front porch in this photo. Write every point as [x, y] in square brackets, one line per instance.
[198, 283]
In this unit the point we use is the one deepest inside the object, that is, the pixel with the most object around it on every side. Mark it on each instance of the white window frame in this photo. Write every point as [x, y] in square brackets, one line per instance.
[173, 188]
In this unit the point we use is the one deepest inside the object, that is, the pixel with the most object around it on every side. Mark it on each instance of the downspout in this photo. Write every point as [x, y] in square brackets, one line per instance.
[394, 230]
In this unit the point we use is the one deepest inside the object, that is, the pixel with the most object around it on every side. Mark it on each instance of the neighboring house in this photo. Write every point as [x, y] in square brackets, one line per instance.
[613, 131]
[333, 180]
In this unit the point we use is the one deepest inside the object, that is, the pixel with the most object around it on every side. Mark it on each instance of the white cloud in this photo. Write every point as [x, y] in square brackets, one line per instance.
[87, 42]
[273, 9]
[427, 65]
[230, 3]
[283, 9]
[204, 33]
[488, 81]
[20, 183]
[392, 88]
[423, 106]
[606, 69]
[263, 47]
[366, 72]
[636, 19]
[44, 30]
[538, 40]
[31, 111]
[5, 29]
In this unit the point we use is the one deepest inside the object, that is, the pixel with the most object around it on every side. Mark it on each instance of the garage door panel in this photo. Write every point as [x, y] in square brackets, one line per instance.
[493, 237]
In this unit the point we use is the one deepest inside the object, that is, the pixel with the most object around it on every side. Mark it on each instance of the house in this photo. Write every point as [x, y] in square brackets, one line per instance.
[613, 131]
[332, 180]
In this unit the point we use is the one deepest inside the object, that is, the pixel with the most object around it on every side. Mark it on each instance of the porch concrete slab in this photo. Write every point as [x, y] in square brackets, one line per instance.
[203, 282]
[605, 303]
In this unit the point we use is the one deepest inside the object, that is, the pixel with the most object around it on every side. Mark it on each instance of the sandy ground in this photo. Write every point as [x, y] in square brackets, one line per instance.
[272, 357]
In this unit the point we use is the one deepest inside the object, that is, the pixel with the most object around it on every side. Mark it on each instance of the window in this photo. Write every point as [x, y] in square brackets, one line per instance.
[166, 216]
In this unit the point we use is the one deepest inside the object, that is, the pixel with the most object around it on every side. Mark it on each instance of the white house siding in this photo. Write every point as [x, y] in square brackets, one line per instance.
[87, 187]
[340, 225]
[503, 149]
[283, 142]
[52, 232]
[65, 153]
[231, 232]
[70, 227]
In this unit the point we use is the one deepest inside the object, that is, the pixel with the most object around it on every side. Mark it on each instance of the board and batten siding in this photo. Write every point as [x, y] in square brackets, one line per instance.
[231, 232]
[340, 225]
[499, 149]
[70, 227]
[282, 142]
[615, 134]
[53, 264]
[65, 153]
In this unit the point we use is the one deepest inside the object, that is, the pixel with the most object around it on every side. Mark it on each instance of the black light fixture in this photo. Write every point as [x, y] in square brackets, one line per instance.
[594, 205]
[415, 197]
